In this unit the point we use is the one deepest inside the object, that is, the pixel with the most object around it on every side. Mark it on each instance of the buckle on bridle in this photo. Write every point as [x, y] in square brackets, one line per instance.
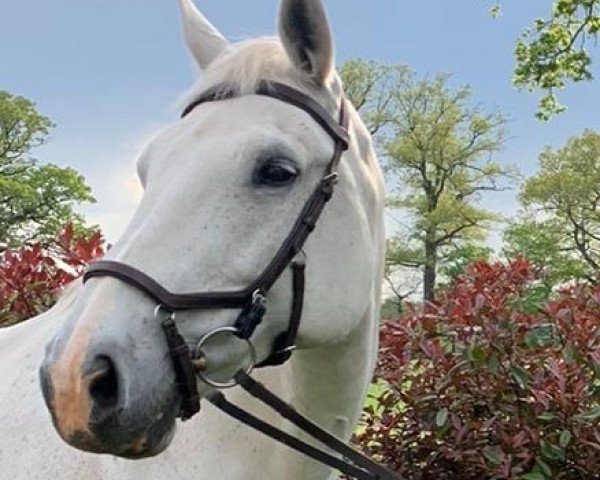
[289, 349]
[333, 178]
[328, 182]
[251, 316]
[170, 315]
[300, 259]
[258, 297]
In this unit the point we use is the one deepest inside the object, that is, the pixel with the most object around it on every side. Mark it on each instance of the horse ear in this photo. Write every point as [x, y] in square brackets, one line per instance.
[306, 37]
[203, 39]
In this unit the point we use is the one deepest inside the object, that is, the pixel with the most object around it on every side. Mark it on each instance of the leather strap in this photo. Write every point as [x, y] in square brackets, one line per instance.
[284, 93]
[285, 342]
[292, 245]
[336, 130]
[219, 401]
[351, 463]
[185, 377]
[171, 301]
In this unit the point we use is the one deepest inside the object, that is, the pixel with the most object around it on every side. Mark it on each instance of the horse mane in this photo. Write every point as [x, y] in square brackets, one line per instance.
[245, 64]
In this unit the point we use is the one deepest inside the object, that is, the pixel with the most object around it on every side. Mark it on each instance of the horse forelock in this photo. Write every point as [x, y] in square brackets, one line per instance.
[243, 65]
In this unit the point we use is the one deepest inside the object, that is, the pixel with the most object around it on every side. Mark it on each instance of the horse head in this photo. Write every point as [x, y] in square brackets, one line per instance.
[223, 187]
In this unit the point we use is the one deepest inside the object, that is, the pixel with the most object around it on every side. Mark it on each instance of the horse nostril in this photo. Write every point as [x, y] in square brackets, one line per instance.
[104, 385]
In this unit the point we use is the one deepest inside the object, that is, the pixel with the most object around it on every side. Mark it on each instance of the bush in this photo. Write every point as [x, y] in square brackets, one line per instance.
[492, 381]
[32, 276]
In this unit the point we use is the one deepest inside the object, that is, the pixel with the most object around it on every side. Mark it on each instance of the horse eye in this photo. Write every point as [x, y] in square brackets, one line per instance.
[276, 173]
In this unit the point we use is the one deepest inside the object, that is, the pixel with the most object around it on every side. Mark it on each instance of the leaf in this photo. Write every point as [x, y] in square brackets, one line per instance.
[546, 416]
[544, 467]
[427, 398]
[539, 337]
[495, 11]
[441, 417]
[493, 364]
[533, 476]
[550, 451]
[491, 454]
[589, 416]
[480, 301]
[477, 355]
[565, 438]
[519, 375]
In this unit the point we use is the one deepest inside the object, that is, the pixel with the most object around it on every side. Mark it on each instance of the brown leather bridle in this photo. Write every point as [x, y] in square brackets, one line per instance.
[252, 299]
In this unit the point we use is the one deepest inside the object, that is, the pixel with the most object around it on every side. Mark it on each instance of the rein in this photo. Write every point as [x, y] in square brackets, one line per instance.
[252, 302]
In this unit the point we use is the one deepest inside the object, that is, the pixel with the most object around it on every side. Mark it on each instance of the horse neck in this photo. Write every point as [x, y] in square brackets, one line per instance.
[329, 384]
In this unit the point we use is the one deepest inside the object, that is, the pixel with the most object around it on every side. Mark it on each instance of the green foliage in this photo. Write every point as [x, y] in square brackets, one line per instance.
[496, 11]
[391, 307]
[370, 87]
[546, 244]
[554, 51]
[566, 190]
[456, 260]
[436, 147]
[399, 253]
[35, 200]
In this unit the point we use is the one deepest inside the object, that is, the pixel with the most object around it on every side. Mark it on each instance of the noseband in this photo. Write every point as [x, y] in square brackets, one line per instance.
[252, 299]
[252, 303]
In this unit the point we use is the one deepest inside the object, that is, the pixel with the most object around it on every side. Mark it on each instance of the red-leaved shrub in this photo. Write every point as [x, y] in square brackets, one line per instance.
[32, 276]
[490, 382]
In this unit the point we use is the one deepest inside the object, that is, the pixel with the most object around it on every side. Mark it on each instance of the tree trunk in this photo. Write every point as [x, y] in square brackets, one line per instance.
[429, 276]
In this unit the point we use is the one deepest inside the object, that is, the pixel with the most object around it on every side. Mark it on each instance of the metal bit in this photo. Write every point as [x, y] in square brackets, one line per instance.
[199, 364]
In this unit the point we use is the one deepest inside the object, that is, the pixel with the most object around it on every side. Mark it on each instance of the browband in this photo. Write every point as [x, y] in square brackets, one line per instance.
[286, 94]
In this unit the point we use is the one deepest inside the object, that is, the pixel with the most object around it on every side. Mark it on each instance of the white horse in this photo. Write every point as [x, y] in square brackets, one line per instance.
[222, 189]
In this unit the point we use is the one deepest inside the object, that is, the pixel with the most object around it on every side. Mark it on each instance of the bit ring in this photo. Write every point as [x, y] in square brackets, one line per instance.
[198, 352]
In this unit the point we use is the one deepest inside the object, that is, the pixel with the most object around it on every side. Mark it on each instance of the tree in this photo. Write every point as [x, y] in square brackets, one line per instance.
[370, 87]
[547, 245]
[554, 51]
[566, 193]
[437, 150]
[35, 200]
[458, 259]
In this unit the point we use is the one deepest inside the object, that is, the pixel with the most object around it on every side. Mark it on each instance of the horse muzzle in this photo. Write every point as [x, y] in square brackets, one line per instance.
[94, 407]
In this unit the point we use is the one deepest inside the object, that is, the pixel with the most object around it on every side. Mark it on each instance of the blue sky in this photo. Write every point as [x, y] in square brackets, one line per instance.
[109, 72]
